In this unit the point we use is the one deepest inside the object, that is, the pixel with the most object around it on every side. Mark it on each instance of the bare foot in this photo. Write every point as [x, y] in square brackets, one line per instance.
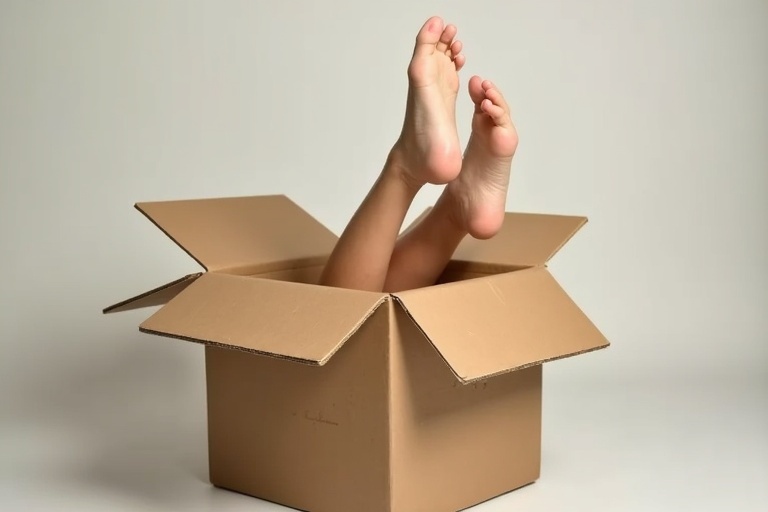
[428, 148]
[480, 191]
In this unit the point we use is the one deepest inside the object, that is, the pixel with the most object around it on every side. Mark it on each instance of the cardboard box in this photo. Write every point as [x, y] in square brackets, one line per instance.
[335, 400]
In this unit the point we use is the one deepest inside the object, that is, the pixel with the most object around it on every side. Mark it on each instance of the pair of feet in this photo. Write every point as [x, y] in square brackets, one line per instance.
[428, 150]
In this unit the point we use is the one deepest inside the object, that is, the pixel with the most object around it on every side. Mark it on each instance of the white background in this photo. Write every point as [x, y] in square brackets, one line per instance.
[650, 117]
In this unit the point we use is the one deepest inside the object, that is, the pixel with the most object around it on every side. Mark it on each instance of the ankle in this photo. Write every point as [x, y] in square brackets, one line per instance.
[397, 167]
[450, 206]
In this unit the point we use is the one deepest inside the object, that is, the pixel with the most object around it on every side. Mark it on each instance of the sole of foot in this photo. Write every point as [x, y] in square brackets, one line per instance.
[479, 193]
[428, 147]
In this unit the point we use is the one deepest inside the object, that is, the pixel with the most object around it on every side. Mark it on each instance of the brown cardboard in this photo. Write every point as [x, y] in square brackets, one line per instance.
[527, 239]
[155, 297]
[307, 323]
[343, 400]
[229, 234]
[497, 324]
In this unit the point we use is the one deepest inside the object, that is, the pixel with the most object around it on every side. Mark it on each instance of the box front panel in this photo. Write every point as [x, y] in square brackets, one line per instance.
[457, 445]
[313, 438]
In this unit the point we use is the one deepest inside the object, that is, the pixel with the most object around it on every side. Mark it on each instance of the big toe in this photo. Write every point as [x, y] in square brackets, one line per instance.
[429, 36]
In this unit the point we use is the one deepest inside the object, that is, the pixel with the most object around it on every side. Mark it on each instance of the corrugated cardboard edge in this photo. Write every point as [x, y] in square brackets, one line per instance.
[525, 239]
[223, 211]
[464, 380]
[496, 268]
[309, 362]
[116, 308]
[138, 207]
[491, 498]
[567, 239]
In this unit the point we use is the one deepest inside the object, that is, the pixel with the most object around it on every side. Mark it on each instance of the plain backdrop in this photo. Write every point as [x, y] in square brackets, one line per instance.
[649, 117]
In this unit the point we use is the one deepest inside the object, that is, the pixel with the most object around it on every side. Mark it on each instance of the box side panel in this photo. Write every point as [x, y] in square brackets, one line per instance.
[458, 271]
[312, 438]
[456, 445]
[307, 275]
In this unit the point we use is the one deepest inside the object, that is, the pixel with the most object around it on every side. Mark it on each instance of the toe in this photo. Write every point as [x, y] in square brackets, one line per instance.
[476, 91]
[429, 36]
[487, 84]
[446, 38]
[495, 112]
[459, 60]
[456, 47]
[497, 98]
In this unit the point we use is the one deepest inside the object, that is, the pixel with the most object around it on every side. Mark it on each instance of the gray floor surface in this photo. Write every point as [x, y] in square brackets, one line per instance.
[134, 439]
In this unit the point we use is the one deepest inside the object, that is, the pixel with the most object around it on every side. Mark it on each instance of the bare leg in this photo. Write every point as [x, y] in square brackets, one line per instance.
[427, 151]
[473, 203]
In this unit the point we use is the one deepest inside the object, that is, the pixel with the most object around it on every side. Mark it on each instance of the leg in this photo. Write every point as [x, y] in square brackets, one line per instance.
[422, 253]
[361, 256]
[427, 151]
[473, 203]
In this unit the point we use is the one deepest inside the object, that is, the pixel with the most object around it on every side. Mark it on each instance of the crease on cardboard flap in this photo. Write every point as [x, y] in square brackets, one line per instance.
[300, 322]
[525, 240]
[155, 297]
[243, 235]
[525, 320]
[141, 208]
[237, 235]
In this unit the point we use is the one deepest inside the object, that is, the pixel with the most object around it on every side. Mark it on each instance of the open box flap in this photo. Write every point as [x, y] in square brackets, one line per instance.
[492, 325]
[155, 297]
[525, 240]
[243, 234]
[305, 323]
